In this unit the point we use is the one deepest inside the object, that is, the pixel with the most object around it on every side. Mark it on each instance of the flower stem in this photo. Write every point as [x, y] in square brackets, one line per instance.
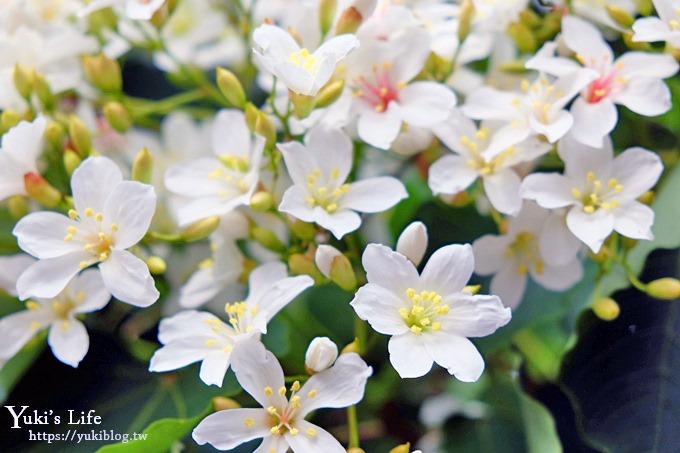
[353, 427]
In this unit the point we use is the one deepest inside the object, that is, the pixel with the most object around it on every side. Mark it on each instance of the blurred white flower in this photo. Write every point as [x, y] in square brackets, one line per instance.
[110, 216]
[134, 9]
[281, 420]
[599, 190]
[429, 316]
[67, 337]
[21, 146]
[666, 27]
[319, 194]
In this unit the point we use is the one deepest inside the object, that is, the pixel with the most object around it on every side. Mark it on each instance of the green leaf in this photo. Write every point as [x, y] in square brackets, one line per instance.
[159, 435]
[14, 369]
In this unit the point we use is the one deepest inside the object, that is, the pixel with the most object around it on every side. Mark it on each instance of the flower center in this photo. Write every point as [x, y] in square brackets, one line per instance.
[325, 192]
[380, 90]
[95, 238]
[305, 60]
[426, 307]
[525, 252]
[282, 420]
[239, 316]
[232, 172]
[477, 161]
[597, 195]
[541, 98]
[675, 22]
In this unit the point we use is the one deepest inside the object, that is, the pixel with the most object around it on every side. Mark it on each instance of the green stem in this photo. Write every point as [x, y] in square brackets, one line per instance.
[144, 415]
[353, 427]
[145, 107]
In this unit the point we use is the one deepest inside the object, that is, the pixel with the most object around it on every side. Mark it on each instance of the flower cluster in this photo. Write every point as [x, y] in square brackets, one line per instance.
[308, 144]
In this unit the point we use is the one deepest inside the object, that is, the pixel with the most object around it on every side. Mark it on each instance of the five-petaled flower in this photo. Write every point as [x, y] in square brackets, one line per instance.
[281, 420]
[109, 216]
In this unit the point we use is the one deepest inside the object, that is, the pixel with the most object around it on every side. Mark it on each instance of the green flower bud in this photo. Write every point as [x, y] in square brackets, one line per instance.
[620, 16]
[41, 191]
[606, 309]
[467, 13]
[103, 72]
[302, 104]
[231, 88]
[523, 37]
[117, 116]
[262, 201]
[267, 238]
[71, 161]
[200, 230]
[156, 265]
[142, 166]
[329, 93]
[23, 81]
[80, 136]
[43, 91]
[349, 21]
[666, 288]
[326, 14]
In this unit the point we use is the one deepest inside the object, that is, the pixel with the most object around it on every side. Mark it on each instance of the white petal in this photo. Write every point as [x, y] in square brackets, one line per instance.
[142, 9]
[277, 297]
[92, 182]
[426, 103]
[650, 29]
[42, 234]
[593, 228]
[457, 354]
[412, 242]
[579, 159]
[12, 267]
[450, 175]
[330, 150]
[294, 202]
[257, 369]
[298, 161]
[339, 223]
[201, 287]
[131, 206]
[214, 367]
[593, 121]
[201, 208]
[637, 170]
[509, 285]
[88, 286]
[18, 328]
[645, 96]
[448, 269]
[321, 441]
[323, 258]
[227, 429]
[191, 178]
[179, 353]
[273, 444]
[69, 341]
[47, 278]
[409, 356]
[634, 220]
[379, 129]
[452, 129]
[502, 189]
[389, 269]
[188, 323]
[380, 307]
[475, 316]
[338, 386]
[24, 142]
[490, 103]
[557, 244]
[559, 278]
[128, 279]
[549, 190]
[646, 64]
[556, 128]
[373, 194]
[585, 39]
[230, 134]
[274, 43]
[489, 252]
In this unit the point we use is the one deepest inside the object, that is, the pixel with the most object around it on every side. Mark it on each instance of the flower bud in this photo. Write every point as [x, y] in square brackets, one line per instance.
[267, 238]
[251, 113]
[645, 7]
[329, 93]
[117, 116]
[320, 355]
[43, 91]
[302, 104]
[403, 448]
[606, 309]
[41, 191]
[529, 18]
[17, 206]
[412, 242]
[349, 21]
[620, 16]
[221, 403]
[335, 266]
[156, 265]
[325, 254]
[472, 289]
[666, 288]
[634, 45]
[9, 119]
[265, 128]
[647, 198]
[142, 166]
[80, 136]
[55, 134]
[71, 161]
[299, 264]
[262, 201]
[523, 37]
[200, 230]
[303, 230]
[103, 72]
[23, 81]
[326, 14]
[467, 13]
[231, 88]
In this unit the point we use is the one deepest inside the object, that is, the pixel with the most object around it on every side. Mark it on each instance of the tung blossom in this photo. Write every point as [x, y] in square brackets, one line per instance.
[632, 80]
[429, 316]
[319, 169]
[67, 336]
[599, 191]
[134, 9]
[110, 216]
[193, 336]
[280, 422]
[301, 71]
[21, 147]
[666, 27]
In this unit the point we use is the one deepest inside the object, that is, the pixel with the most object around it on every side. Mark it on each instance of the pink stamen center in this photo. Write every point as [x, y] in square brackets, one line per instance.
[378, 90]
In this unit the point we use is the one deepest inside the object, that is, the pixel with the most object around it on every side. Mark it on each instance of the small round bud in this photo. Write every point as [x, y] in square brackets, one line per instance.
[606, 309]
[320, 355]
[403, 448]
[262, 201]
[300, 264]
[265, 127]
[302, 104]
[467, 13]
[117, 116]
[231, 88]
[666, 288]
[303, 230]
[523, 37]
[43, 91]
[620, 16]
[103, 72]
[267, 238]
[326, 14]
[55, 134]
[80, 136]
[329, 93]
[349, 21]
[23, 81]
[9, 119]
[412, 242]
[142, 166]
[156, 265]
[71, 161]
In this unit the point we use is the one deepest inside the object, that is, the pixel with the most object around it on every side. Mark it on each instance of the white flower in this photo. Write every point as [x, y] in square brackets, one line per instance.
[321, 354]
[68, 336]
[632, 80]
[12, 267]
[301, 71]
[412, 242]
[110, 216]
[319, 169]
[537, 244]
[214, 186]
[281, 420]
[428, 315]
[538, 110]
[21, 147]
[134, 9]
[486, 153]
[379, 75]
[666, 27]
[599, 190]
[193, 336]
